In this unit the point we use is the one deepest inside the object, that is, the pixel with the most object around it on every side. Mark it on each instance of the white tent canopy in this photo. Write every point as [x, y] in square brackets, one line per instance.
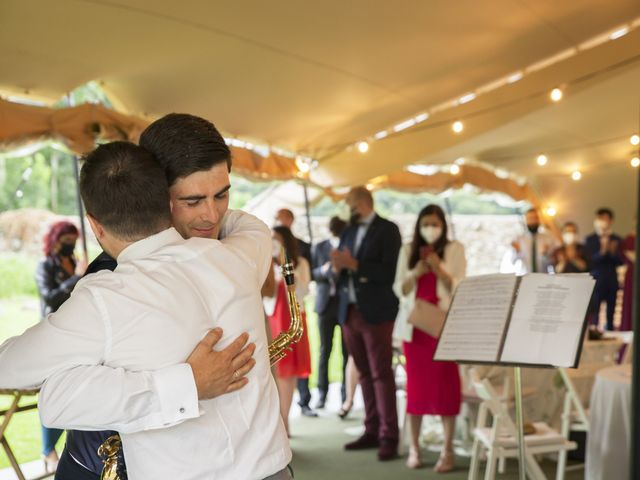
[314, 78]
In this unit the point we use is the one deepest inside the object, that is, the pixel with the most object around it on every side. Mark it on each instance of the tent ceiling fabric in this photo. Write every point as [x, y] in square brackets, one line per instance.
[311, 77]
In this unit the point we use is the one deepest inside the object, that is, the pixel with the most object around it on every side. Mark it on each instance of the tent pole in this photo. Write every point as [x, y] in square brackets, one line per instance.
[307, 211]
[83, 228]
[635, 380]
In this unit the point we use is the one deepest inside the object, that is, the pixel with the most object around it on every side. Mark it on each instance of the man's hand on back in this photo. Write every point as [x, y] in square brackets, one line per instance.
[220, 372]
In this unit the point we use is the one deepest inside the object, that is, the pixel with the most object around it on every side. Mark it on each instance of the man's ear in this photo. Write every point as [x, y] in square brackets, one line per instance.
[171, 206]
[98, 229]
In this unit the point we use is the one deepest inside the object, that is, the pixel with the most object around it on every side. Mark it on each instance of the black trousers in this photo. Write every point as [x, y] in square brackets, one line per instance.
[69, 469]
[604, 292]
[327, 322]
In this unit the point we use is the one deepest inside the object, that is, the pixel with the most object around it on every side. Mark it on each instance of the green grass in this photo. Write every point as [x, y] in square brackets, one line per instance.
[20, 312]
[17, 272]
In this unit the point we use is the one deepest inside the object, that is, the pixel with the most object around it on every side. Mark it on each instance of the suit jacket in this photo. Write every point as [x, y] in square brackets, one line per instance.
[54, 284]
[304, 250]
[324, 278]
[603, 267]
[373, 282]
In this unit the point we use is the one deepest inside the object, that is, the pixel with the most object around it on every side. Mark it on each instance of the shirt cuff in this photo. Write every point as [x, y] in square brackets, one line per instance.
[177, 393]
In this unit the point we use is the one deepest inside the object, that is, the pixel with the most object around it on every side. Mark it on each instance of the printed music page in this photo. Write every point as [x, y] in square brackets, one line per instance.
[474, 328]
[547, 320]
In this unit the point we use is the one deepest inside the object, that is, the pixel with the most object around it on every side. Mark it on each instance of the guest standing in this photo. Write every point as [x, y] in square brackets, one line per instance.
[56, 277]
[429, 269]
[629, 257]
[297, 363]
[367, 307]
[604, 248]
[327, 307]
[533, 249]
[572, 256]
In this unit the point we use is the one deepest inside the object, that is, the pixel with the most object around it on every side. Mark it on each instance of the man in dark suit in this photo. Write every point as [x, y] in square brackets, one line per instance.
[327, 306]
[285, 217]
[603, 247]
[367, 307]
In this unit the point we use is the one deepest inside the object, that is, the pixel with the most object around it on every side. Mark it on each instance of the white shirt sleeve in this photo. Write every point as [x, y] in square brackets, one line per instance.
[302, 278]
[77, 334]
[250, 238]
[104, 398]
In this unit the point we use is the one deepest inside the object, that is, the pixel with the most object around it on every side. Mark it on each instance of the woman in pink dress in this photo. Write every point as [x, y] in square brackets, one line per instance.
[297, 363]
[429, 268]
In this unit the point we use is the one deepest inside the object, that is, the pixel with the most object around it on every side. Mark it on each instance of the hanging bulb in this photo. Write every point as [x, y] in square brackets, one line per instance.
[363, 147]
[575, 176]
[542, 160]
[457, 126]
[556, 95]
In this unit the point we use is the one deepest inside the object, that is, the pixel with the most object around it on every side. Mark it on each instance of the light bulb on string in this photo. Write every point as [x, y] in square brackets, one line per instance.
[635, 162]
[455, 169]
[556, 95]
[363, 147]
[457, 126]
[551, 211]
[576, 175]
[542, 160]
[634, 140]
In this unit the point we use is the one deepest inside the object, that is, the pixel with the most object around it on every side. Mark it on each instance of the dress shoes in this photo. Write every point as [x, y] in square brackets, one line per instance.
[388, 450]
[321, 403]
[366, 441]
[307, 412]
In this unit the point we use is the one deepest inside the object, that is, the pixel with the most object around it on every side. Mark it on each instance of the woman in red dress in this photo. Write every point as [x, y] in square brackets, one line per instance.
[297, 363]
[429, 269]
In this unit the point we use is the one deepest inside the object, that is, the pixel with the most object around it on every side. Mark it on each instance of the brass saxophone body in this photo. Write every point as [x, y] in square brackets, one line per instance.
[278, 349]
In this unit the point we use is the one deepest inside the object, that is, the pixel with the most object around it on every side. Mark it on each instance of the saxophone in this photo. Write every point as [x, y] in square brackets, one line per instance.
[278, 348]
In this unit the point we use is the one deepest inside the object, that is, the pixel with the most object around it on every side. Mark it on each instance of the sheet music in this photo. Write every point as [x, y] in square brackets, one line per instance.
[476, 319]
[546, 324]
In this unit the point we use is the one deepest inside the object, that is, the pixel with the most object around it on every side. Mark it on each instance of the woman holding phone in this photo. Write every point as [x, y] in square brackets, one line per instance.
[429, 268]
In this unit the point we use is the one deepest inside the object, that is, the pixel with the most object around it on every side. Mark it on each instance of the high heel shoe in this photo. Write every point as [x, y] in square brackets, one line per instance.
[343, 412]
[446, 462]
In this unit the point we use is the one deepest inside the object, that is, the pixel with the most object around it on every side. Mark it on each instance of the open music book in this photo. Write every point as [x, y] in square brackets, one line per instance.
[536, 319]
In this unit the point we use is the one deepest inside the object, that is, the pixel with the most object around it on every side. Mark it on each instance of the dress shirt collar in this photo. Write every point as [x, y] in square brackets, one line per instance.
[366, 221]
[146, 246]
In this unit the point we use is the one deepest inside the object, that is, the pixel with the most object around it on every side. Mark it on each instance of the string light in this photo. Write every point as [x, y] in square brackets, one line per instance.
[363, 147]
[576, 175]
[303, 166]
[634, 140]
[457, 126]
[635, 162]
[542, 160]
[455, 169]
[556, 95]
[551, 211]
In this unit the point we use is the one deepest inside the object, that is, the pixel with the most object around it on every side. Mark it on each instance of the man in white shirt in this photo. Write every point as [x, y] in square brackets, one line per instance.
[150, 312]
[532, 251]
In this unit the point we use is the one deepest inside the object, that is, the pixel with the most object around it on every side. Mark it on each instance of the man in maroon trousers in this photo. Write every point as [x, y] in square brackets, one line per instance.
[365, 263]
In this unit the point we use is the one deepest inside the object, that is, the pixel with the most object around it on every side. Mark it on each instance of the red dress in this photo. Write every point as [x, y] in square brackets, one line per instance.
[297, 362]
[433, 388]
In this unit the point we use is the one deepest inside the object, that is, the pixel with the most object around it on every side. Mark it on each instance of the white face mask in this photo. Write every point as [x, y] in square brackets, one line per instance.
[275, 248]
[600, 226]
[335, 242]
[430, 234]
[569, 238]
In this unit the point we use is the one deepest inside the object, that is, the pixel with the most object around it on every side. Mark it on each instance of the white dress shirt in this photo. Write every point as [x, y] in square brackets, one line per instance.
[363, 227]
[522, 261]
[148, 314]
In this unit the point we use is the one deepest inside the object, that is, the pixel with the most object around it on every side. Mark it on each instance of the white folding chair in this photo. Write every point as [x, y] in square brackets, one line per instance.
[499, 439]
[574, 416]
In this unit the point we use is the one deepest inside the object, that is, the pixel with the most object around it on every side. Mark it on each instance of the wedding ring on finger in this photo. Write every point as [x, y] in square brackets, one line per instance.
[236, 375]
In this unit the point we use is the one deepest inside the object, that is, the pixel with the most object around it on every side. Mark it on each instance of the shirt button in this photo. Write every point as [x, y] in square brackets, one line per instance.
[181, 409]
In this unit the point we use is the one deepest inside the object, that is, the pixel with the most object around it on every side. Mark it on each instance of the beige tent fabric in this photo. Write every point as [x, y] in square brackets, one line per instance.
[439, 182]
[248, 163]
[78, 127]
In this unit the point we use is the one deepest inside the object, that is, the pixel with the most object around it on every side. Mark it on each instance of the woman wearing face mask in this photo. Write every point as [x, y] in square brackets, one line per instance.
[571, 257]
[429, 269]
[297, 363]
[56, 276]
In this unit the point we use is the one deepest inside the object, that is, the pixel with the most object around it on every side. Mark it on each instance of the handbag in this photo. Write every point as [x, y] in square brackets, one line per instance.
[427, 317]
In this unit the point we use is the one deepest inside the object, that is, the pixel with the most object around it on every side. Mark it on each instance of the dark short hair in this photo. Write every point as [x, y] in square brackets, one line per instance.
[418, 241]
[336, 226]
[605, 211]
[287, 212]
[289, 242]
[532, 209]
[124, 188]
[570, 224]
[185, 144]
